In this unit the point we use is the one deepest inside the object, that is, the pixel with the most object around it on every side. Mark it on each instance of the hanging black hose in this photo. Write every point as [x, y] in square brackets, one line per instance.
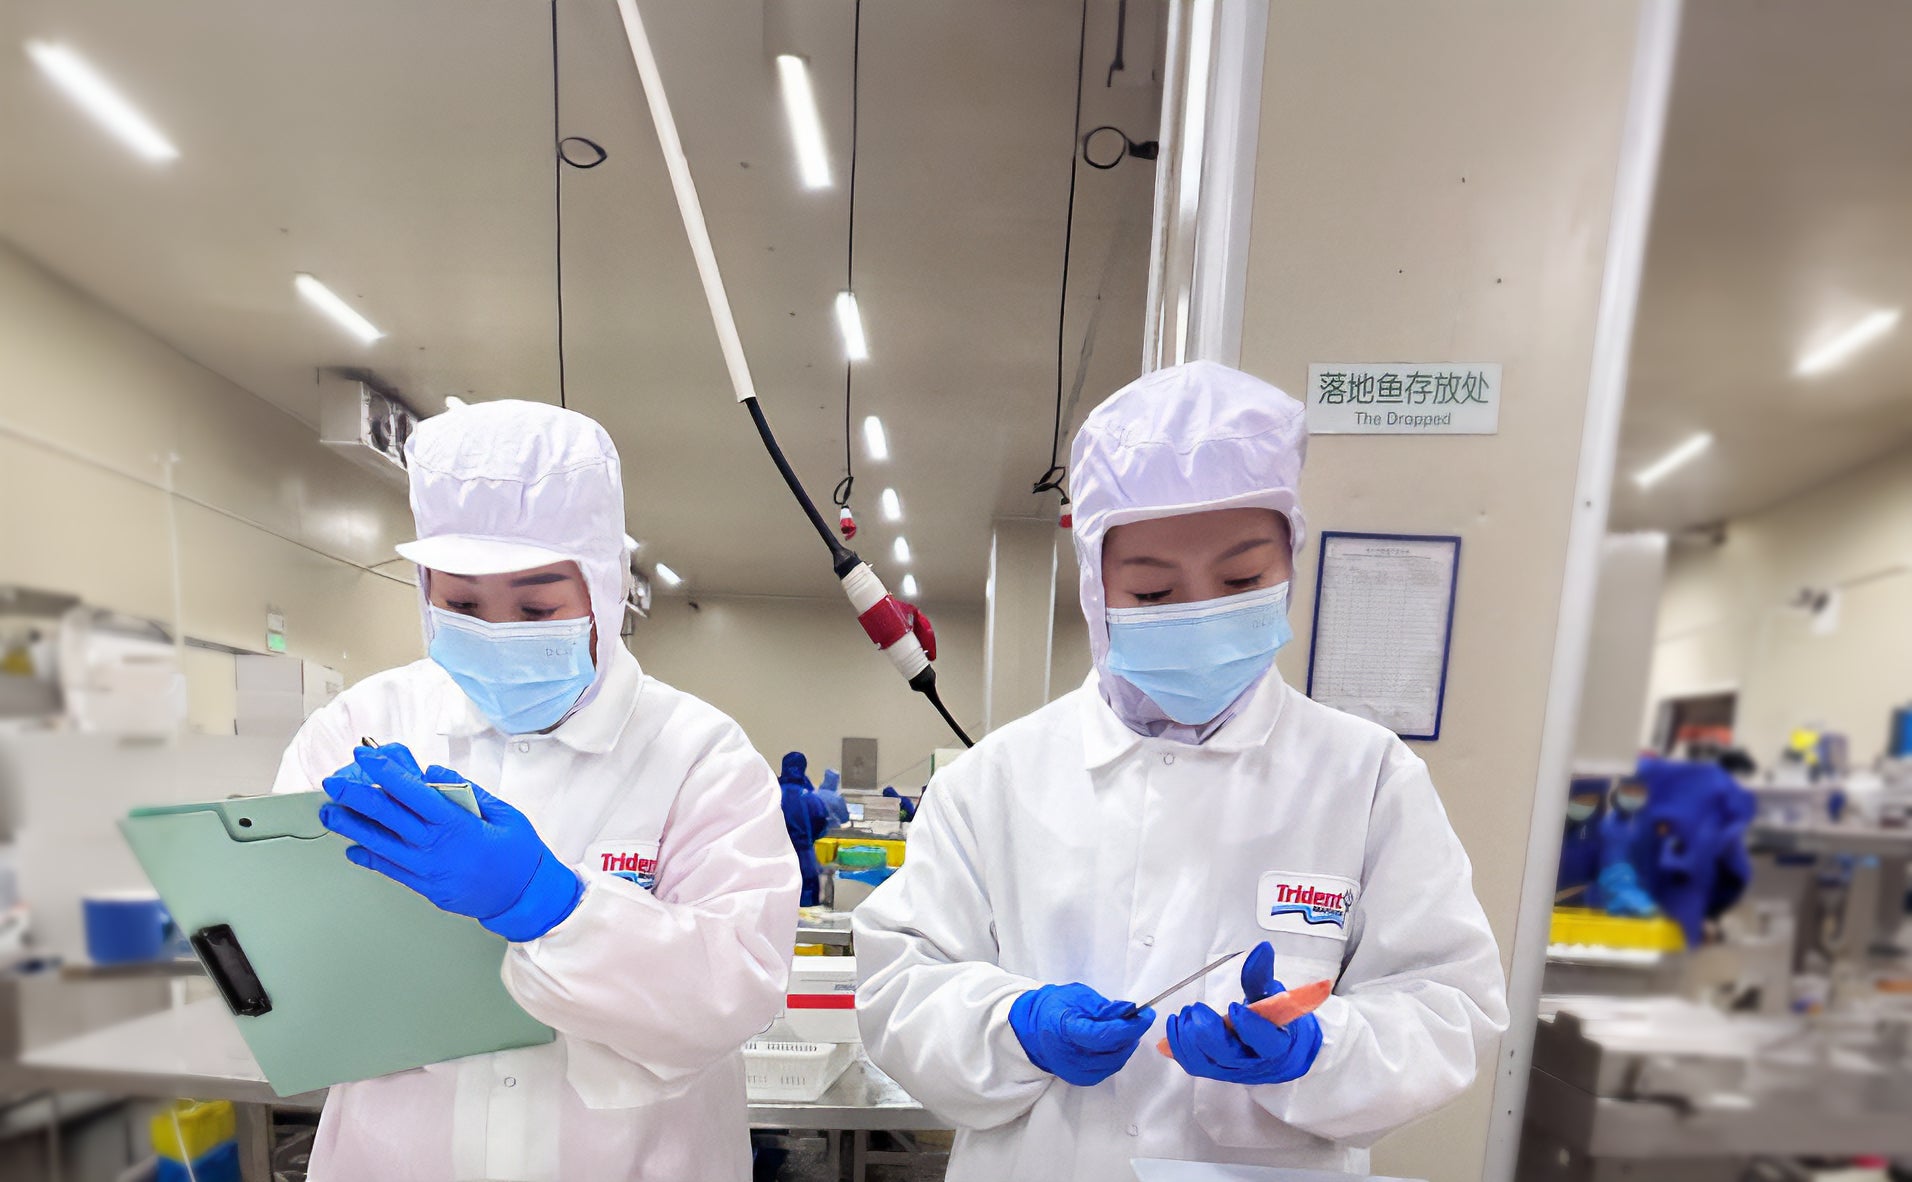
[936, 700]
[842, 558]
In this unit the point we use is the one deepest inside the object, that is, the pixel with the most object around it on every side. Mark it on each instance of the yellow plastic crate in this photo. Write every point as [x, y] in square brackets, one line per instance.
[1583, 925]
[892, 849]
[203, 1125]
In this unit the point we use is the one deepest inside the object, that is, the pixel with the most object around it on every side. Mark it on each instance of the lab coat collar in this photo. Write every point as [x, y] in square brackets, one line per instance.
[592, 729]
[1105, 737]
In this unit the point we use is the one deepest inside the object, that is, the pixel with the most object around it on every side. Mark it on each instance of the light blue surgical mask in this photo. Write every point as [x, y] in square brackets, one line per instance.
[1580, 810]
[524, 675]
[1194, 659]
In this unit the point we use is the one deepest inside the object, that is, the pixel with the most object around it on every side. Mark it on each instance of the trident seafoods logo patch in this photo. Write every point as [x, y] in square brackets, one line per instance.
[1318, 904]
[631, 861]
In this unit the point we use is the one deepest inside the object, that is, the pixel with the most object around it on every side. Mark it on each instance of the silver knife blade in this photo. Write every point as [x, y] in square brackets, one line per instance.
[1185, 982]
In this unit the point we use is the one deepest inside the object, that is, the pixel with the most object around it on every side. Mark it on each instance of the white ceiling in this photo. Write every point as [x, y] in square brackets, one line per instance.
[1784, 214]
[401, 153]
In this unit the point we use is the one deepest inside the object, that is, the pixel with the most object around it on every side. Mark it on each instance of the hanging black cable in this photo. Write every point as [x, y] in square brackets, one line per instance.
[561, 157]
[1051, 480]
[557, 202]
[848, 483]
[842, 559]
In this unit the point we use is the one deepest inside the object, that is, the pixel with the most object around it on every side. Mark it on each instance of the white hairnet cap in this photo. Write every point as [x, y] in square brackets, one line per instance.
[508, 486]
[1186, 439]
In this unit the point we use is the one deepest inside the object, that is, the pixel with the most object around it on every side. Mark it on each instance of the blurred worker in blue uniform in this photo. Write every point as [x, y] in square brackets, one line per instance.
[1580, 845]
[1689, 848]
[829, 792]
[805, 819]
[1617, 887]
[905, 807]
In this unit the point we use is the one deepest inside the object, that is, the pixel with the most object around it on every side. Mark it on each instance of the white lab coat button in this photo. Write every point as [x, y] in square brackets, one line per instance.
[1134, 1132]
[1148, 941]
[1168, 759]
[511, 1081]
[523, 746]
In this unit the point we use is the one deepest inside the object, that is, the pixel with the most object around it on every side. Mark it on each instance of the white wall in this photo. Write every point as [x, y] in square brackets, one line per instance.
[1434, 183]
[259, 513]
[799, 675]
[263, 514]
[1724, 623]
[1613, 693]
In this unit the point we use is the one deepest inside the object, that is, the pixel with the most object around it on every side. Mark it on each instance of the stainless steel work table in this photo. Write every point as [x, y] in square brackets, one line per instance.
[195, 1051]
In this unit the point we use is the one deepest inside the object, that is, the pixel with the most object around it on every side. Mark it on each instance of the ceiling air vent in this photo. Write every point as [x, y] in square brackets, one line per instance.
[366, 427]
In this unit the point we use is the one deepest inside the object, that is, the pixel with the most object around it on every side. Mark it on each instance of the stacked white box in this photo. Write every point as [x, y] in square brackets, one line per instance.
[820, 1005]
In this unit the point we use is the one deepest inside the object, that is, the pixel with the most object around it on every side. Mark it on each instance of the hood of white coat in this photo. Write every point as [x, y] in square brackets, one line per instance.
[509, 485]
[1185, 439]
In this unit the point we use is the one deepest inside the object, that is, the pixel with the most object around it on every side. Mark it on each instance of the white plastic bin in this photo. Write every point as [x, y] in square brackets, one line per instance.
[795, 1071]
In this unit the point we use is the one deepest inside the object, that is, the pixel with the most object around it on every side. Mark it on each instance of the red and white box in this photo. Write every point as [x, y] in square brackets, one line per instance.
[820, 1003]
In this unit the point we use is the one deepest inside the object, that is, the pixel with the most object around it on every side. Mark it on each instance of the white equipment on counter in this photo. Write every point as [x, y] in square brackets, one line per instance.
[813, 1040]
[873, 813]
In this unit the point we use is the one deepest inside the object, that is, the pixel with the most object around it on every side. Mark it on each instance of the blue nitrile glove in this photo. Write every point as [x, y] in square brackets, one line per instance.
[1620, 888]
[1257, 1051]
[493, 867]
[1076, 1034]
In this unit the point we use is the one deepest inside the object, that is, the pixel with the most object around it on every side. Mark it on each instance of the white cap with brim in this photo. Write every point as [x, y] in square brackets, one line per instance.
[458, 554]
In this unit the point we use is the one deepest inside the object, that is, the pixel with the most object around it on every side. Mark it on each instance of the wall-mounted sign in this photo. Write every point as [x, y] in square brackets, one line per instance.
[1384, 627]
[1404, 399]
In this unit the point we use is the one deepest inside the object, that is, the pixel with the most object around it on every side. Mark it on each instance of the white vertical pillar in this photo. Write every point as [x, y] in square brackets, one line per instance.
[1019, 619]
[1205, 181]
[1628, 221]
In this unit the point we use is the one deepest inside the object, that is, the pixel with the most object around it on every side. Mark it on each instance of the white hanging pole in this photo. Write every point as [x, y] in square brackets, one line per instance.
[687, 204]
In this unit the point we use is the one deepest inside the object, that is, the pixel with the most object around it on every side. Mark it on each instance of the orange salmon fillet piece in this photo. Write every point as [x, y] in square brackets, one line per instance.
[1280, 1009]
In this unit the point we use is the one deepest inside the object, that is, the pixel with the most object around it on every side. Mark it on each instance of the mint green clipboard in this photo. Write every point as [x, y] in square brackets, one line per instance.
[334, 973]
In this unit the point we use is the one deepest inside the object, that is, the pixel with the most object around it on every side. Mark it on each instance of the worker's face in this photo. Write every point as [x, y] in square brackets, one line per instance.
[1195, 557]
[1629, 796]
[554, 592]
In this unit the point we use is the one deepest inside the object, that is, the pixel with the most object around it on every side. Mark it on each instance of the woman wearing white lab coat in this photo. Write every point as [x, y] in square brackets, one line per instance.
[632, 847]
[1190, 805]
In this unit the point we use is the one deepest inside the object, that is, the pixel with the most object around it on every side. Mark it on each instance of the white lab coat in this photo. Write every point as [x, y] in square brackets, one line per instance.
[652, 992]
[1066, 847]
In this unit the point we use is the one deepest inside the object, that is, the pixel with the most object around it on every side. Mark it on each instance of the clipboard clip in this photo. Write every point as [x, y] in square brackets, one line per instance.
[226, 963]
